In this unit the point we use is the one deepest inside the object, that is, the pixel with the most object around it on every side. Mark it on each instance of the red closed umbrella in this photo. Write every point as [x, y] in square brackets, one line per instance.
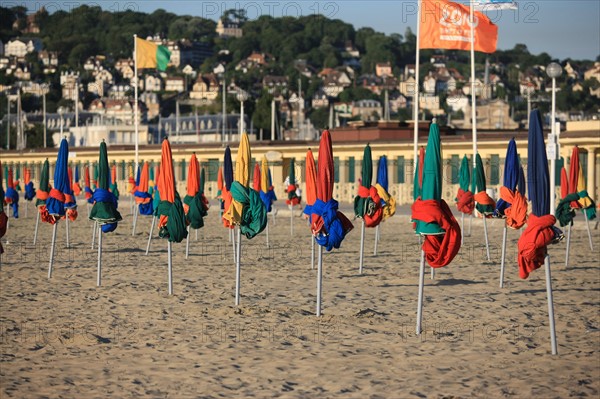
[574, 175]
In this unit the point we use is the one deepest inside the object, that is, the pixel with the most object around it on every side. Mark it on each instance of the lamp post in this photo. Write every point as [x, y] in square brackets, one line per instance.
[241, 96]
[554, 70]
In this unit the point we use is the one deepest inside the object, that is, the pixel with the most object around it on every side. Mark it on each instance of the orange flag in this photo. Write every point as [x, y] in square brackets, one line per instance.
[446, 25]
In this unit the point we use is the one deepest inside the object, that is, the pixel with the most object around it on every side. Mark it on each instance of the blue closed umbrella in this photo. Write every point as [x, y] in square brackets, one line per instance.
[538, 177]
[56, 201]
[511, 175]
[382, 172]
[521, 186]
[228, 168]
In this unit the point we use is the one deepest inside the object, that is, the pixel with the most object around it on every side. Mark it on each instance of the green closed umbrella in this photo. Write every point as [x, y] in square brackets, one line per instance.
[464, 174]
[104, 211]
[478, 185]
[361, 204]
[44, 185]
[432, 179]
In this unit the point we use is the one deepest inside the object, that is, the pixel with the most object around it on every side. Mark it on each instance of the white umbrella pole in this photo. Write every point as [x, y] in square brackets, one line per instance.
[150, 235]
[169, 250]
[52, 250]
[87, 205]
[196, 230]
[292, 220]
[232, 234]
[312, 252]
[273, 212]
[503, 258]
[99, 277]
[319, 280]
[462, 228]
[485, 233]
[587, 225]
[238, 267]
[568, 245]
[433, 273]
[470, 223]
[94, 233]
[135, 216]
[267, 228]
[67, 229]
[26, 208]
[550, 304]
[376, 240]
[420, 297]
[187, 243]
[362, 247]
[37, 223]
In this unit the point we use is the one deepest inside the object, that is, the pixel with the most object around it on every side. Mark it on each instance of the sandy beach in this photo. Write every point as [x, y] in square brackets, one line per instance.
[66, 338]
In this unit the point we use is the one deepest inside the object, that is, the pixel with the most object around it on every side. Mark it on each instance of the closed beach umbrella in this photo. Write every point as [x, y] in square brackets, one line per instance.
[367, 204]
[574, 175]
[76, 186]
[142, 195]
[56, 201]
[311, 183]
[293, 198]
[113, 181]
[540, 229]
[418, 179]
[172, 218]
[256, 178]
[484, 204]
[87, 185]
[267, 195]
[29, 188]
[388, 203]
[12, 196]
[193, 204]
[464, 198]
[511, 176]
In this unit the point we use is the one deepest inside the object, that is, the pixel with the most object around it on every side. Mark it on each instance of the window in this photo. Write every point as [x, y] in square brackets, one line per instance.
[213, 169]
[454, 167]
[495, 169]
[351, 170]
[336, 169]
[400, 170]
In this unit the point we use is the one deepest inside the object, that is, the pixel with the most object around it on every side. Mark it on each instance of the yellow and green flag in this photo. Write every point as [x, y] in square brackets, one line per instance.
[151, 55]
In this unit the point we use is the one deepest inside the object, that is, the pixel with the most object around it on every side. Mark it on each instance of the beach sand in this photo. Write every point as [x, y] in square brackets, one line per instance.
[65, 337]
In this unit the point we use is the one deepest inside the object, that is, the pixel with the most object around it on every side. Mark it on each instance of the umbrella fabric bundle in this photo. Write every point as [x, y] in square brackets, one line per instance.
[156, 194]
[87, 185]
[329, 226]
[220, 185]
[247, 209]
[226, 191]
[433, 217]
[18, 179]
[292, 188]
[70, 200]
[540, 231]
[193, 203]
[464, 198]
[172, 218]
[512, 204]
[43, 193]
[564, 213]
[113, 182]
[76, 187]
[587, 203]
[388, 203]
[104, 212]
[56, 199]
[29, 189]
[267, 193]
[3, 217]
[483, 203]
[131, 186]
[12, 196]
[142, 196]
[367, 204]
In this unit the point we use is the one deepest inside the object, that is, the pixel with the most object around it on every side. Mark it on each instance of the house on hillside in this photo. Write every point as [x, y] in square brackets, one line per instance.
[22, 46]
[275, 84]
[205, 88]
[383, 69]
[228, 29]
[320, 99]
[175, 83]
[367, 109]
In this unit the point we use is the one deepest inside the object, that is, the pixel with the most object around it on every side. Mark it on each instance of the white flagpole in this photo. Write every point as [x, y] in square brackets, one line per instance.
[37, 223]
[170, 265]
[238, 266]
[416, 92]
[187, 243]
[135, 111]
[420, 295]
[319, 280]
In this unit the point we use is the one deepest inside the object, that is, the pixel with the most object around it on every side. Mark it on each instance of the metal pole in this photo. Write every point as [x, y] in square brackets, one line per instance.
[224, 116]
[150, 235]
[232, 233]
[550, 304]
[267, 228]
[312, 252]
[44, 111]
[487, 242]
[8, 125]
[76, 104]
[376, 240]
[241, 120]
[135, 216]
[99, 277]
[503, 258]
[417, 88]
[135, 104]
[319, 280]
[238, 267]
[52, 249]
[187, 243]
[170, 272]
[433, 273]
[94, 233]
[273, 120]
[587, 225]
[37, 223]
[291, 220]
[568, 245]
[462, 228]
[553, 143]
[67, 228]
[362, 247]
[473, 96]
[420, 296]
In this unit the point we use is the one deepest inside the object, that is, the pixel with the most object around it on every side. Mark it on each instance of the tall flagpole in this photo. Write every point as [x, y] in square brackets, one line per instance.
[416, 95]
[473, 96]
[135, 102]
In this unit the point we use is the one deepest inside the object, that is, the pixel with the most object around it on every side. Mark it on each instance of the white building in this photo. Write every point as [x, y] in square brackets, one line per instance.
[21, 46]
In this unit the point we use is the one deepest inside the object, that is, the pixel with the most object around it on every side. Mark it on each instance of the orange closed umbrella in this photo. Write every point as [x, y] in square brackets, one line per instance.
[311, 197]
[256, 181]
